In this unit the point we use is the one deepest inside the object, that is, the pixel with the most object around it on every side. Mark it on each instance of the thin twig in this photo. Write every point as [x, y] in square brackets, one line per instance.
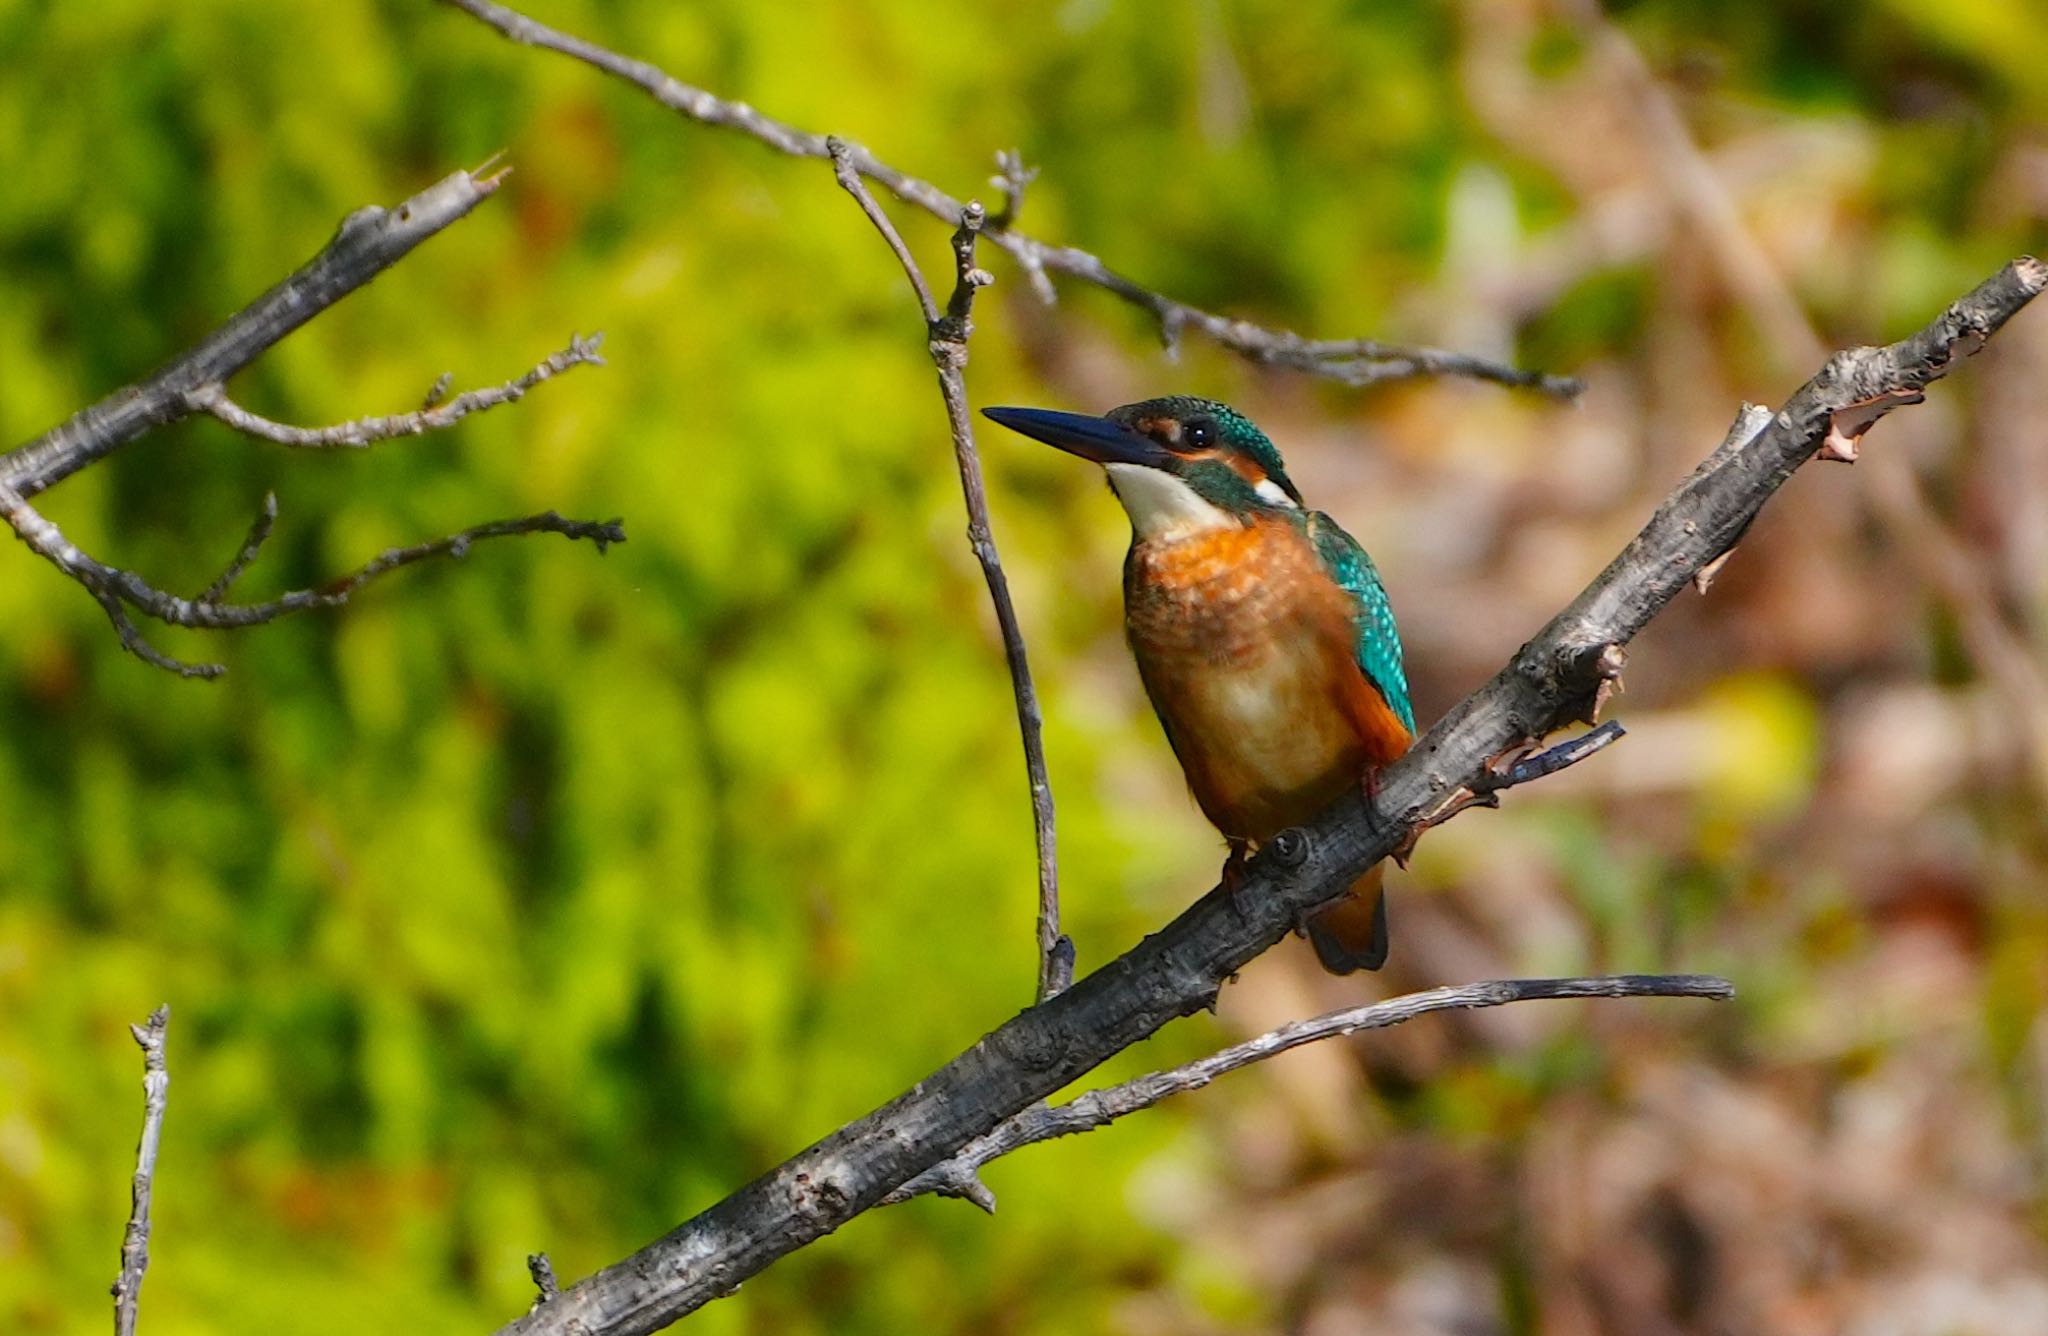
[960, 1175]
[364, 432]
[1552, 680]
[1012, 178]
[156, 1085]
[947, 334]
[368, 242]
[118, 590]
[1353, 361]
[259, 534]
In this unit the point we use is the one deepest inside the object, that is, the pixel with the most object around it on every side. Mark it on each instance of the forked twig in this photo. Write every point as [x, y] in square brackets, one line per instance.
[947, 333]
[434, 416]
[1352, 361]
[118, 591]
[367, 242]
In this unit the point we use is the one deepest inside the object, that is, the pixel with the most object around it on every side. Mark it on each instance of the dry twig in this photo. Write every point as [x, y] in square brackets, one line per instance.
[960, 1175]
[433, 416]
[1352, 361]
[947, 333]
[117, 591]
[368, 242]
[156, 1085]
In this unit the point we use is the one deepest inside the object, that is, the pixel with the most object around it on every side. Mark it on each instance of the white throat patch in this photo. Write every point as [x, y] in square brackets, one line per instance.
[1161, 506]
[1273, 494]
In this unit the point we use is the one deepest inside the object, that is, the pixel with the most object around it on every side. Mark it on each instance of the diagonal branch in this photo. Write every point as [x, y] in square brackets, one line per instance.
[368, 242]
[960, 1175]
[156, 1085]
[1895, 495]
[363, 432]
[1352, 361]
[947, 334]
[252, 546]
[1551, 680]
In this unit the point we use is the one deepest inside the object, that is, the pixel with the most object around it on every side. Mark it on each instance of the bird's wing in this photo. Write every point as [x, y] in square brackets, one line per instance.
[1378, 642]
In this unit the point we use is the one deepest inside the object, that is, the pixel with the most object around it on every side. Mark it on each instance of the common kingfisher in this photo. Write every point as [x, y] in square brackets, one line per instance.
[1261, 630]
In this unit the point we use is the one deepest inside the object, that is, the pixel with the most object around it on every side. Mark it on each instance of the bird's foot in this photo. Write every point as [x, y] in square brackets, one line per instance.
[1233, 875]
[1369, 788]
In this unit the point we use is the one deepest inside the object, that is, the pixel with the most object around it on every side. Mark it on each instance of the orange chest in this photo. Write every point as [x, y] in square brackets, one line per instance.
[1231, 598]
[1247, 650]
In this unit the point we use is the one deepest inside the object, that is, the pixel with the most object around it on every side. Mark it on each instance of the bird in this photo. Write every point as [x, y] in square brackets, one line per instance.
[1262, 633]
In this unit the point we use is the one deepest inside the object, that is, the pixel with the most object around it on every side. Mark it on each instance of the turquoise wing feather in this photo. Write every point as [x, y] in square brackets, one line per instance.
[1379, 641]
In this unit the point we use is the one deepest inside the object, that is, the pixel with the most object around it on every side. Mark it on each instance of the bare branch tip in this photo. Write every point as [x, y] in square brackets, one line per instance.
[149, 1035]
[489, 174]
[1567, 389]
[542, 1270]
[132, 640]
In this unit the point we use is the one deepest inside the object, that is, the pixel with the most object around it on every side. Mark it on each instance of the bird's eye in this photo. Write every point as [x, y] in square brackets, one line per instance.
[1198, 435]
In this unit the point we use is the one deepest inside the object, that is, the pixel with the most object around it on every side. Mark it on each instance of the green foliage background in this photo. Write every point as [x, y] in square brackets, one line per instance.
[537, 900]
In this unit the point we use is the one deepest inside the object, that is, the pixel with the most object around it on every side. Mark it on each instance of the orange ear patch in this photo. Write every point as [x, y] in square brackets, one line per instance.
[1247, 468]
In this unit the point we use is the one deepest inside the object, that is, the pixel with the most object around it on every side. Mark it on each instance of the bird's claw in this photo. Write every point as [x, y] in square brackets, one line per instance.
[1232, 877]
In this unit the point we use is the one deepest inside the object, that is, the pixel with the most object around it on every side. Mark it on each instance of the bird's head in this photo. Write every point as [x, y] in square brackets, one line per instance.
[1179, 465]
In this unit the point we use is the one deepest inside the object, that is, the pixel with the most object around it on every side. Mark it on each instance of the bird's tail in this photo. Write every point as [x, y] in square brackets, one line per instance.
[1352, 934]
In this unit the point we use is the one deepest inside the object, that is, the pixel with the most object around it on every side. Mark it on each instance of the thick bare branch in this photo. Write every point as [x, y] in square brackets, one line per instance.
[156, 1085]
[364, 432]
[947, 333]
[1552, 680]
[1353, 361]
[1895, 496]
[960, 1175]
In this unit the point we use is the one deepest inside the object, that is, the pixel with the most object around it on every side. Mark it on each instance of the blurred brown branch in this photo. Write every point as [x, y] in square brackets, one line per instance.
[947, 333]
[156, 1085]
[1351, 361]
[369, 241]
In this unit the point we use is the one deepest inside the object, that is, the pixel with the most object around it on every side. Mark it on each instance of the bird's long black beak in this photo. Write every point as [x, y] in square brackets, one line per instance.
[1095, 438]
